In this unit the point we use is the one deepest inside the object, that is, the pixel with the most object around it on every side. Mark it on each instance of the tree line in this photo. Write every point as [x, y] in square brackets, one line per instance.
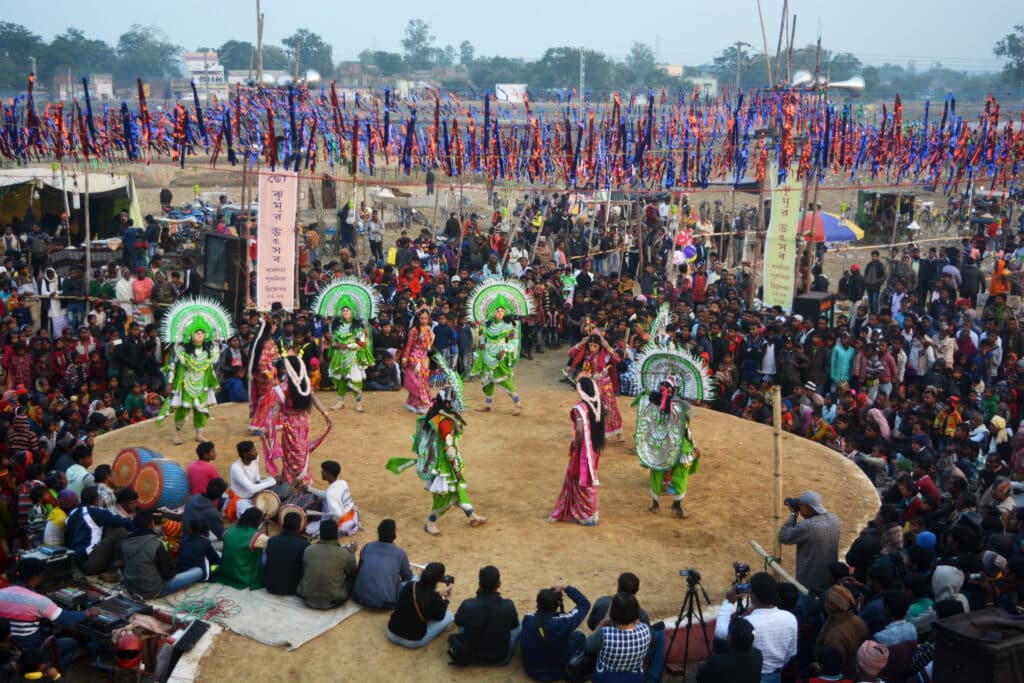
[148, 53]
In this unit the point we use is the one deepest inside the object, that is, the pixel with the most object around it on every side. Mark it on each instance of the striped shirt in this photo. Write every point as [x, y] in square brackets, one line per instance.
[24, 608]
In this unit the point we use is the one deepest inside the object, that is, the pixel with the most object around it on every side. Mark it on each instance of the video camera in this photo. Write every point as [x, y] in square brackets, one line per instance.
[740, 583]
[692, 576]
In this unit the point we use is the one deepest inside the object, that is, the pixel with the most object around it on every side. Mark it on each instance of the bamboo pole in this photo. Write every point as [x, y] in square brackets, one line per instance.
[88, 235]
[764, 38]
[773, 564]
[777, 468]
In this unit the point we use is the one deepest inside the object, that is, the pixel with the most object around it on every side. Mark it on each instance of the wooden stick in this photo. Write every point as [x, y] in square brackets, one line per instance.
[764, 37]
[776, 567]
[777, 443]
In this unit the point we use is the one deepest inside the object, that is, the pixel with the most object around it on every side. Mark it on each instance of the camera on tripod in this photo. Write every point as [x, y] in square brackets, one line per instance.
[740, 583]
[691, 574]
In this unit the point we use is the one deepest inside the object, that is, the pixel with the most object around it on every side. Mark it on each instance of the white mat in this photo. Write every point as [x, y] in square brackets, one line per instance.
[275, 620]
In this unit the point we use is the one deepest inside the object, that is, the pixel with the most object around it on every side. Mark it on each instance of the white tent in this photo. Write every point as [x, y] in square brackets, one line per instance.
[101, 186]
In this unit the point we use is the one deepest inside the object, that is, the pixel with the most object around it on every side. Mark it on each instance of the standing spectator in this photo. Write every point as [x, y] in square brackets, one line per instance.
[843, 629]
[775, 630]
[874, 279]
[375, 235]
[841, 363]
[489, 623]
[383, 566]
[816, 538]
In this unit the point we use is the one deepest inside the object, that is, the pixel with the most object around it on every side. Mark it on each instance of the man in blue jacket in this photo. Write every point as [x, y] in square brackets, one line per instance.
[95, 534]
[549, 638]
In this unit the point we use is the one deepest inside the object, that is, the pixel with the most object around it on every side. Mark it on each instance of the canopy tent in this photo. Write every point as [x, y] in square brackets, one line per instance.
[44, 188]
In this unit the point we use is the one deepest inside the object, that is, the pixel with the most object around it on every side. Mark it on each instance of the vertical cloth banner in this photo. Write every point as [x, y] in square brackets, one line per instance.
[275, 241]
[781, 243]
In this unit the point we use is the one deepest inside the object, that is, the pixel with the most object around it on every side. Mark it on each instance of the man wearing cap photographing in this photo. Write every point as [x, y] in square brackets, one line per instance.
[816, 538]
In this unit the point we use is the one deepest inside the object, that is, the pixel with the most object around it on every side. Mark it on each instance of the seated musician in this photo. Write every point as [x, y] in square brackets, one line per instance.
[338, 505]
[246, 481]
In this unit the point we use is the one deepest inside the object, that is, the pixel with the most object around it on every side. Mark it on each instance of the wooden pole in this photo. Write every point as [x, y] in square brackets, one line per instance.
[896, 215]
[777, 489]
[259, 45]
[757, 247]
[772, 564]
[764, 38]
[88, 234]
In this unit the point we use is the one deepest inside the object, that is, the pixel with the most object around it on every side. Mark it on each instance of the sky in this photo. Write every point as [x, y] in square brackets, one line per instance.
[959, 35]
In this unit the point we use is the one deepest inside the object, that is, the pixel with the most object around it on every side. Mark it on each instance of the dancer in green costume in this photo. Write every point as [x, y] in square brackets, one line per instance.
[496, 305]
[664, 443]
[353, 304]
[438, 461]
[194, 329]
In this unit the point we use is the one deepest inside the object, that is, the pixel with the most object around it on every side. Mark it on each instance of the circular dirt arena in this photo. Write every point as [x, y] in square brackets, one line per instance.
[515, 466]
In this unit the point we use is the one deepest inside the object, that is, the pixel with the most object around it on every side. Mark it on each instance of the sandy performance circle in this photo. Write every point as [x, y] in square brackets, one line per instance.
[515, 466]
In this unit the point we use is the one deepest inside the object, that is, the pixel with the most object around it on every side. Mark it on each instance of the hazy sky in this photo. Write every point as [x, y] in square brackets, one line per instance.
[960, 35]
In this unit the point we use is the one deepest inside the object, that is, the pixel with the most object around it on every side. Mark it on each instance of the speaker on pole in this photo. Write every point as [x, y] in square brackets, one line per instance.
[224, 271]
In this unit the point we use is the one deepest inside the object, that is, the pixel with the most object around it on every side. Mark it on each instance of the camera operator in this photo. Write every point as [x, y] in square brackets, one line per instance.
[775, 630]
[816, 537]
[422, 612]
[549, 637]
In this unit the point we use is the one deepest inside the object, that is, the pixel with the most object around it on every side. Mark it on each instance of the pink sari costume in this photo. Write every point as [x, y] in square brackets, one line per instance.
[600, 366]
[260, 384]
[285, 450]
[417, 369]
[578, 499]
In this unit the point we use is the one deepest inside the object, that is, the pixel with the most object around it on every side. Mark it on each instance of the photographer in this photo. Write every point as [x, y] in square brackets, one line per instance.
[549, 637]
[816, 537]
[422, 612]
[775, 631]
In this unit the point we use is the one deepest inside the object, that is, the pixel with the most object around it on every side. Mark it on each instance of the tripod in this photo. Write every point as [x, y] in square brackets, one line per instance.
[690, 608]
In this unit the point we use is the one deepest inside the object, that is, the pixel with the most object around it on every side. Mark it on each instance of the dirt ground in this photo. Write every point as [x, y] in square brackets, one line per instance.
[515, 467]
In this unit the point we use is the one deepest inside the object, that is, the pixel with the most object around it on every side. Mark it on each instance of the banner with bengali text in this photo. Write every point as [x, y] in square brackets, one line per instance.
[275, 241]
[781, 242]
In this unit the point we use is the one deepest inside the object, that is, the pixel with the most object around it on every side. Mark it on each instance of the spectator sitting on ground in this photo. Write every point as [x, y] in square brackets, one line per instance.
[204, 506]
[741, 664]
[620, 643]
[383, 566]
[629, 582]
[421, 613]
[148, 567]
[328, 570]
[489, 622]
[196, 550]
[201, 470]
[549, 638]
[95, 534]
[283, 570]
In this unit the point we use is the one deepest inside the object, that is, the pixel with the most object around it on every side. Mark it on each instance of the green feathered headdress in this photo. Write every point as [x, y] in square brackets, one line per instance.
[495, 293]
[454, 382]
[656, 363]
[190, 314]
[348, 292]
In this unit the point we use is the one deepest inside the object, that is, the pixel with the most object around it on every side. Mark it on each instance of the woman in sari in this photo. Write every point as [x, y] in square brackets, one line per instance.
[599, 363]
[286, 450]
[262, 374]
[416, 363]
[578, 499]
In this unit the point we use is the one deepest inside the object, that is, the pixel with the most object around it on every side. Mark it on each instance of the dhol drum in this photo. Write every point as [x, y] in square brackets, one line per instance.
[267, 502]
[161, 484]
[288, 508]
[127, 464]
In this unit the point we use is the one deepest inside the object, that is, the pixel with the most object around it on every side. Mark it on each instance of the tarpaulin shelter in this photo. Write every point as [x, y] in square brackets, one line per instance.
[44, 189]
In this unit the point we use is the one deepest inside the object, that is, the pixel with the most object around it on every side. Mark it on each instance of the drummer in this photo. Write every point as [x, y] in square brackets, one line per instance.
[246, 481]
[338, 505]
